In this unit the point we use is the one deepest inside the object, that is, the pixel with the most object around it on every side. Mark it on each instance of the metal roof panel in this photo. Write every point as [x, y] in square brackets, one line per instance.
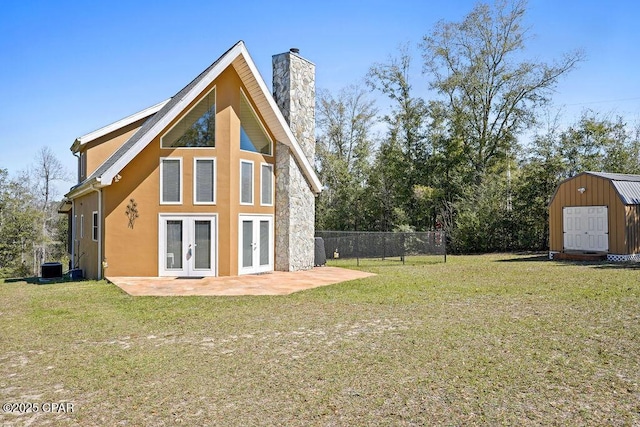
[629, 191]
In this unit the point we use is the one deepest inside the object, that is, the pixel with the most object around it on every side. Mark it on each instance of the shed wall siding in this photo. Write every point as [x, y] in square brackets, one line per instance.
[599, 192]
[633, 229]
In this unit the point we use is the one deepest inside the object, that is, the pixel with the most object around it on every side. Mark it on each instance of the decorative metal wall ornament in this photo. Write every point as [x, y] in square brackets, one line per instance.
[132, 212]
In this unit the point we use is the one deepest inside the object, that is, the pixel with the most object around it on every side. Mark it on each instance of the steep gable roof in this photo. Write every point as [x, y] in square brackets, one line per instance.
[238, 57]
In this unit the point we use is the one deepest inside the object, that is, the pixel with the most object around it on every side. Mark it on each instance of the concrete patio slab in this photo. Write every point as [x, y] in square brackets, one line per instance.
[274, 283]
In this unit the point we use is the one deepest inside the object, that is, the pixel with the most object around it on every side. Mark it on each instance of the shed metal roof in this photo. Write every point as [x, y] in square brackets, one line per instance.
[617, 176]
[627, 185]
[629, 191]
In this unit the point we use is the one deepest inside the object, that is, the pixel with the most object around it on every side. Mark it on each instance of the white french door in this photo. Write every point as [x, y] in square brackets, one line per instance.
[187, 245]
[255, 244]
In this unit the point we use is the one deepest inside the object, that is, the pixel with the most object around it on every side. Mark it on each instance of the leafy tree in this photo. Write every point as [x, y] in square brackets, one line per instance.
[484, 221]
[598, 144]
[20, 221]
[403, 178]
[343, 155]
[386, 198]
[488, 95]
[539, 174]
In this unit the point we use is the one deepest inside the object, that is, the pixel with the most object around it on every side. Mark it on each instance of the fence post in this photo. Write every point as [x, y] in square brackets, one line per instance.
[357, 249]
[384, 246]
[444, 243]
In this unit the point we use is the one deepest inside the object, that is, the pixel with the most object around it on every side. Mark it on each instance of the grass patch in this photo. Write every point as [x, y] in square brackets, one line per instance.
[494, 339]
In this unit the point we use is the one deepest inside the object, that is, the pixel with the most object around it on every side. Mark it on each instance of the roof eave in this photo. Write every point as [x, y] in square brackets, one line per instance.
[65, 206]
[85, 187]
[92, 136]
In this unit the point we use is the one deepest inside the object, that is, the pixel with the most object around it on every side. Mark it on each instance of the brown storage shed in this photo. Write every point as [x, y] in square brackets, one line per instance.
[596, 213]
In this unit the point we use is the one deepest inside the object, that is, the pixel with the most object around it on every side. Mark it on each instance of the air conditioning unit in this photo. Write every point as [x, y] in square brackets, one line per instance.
[51, 270]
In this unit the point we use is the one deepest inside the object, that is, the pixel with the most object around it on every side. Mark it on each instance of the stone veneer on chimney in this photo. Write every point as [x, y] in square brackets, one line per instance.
[294, 93]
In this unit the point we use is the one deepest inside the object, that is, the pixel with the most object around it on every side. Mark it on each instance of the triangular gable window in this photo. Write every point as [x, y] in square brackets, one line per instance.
[253, 136]
[197, 128]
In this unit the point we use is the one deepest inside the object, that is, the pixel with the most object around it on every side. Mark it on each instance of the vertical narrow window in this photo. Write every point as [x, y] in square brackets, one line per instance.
[266, 184]
[171, 180]
[246, 182]
[82, 226]
[94, 226]
[204, 186]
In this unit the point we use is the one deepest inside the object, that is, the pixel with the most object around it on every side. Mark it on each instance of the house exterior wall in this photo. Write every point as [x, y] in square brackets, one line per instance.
[599, 192]
[294, 93]
[133, 251]
[85, 249]
[97, 151]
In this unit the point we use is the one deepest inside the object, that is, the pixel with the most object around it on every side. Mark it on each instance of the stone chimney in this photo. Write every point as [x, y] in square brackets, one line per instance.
[295, 94]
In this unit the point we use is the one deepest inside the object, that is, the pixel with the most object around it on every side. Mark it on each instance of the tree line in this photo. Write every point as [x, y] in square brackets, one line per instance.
[31, 230]
[455, 161]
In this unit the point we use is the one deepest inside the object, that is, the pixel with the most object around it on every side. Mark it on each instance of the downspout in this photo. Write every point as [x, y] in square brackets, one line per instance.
[73, 233]
[79, 168]
[99, 191]
[73, 216]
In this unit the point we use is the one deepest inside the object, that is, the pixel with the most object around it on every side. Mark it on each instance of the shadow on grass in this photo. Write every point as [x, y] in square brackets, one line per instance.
[40, 280]
[533, 257]
[32, 280]
[600, 264]
[619, 265]
[630, 265]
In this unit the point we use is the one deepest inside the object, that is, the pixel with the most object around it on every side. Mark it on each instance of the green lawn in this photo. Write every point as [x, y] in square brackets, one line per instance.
[494, 339]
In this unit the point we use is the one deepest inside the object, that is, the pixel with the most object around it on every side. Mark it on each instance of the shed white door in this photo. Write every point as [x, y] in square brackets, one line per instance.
[586, 228]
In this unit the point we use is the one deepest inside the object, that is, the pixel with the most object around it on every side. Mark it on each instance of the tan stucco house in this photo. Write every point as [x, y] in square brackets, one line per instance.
[215, 181]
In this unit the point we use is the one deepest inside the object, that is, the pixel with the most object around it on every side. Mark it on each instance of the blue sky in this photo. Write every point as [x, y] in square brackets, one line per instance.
[70, 67]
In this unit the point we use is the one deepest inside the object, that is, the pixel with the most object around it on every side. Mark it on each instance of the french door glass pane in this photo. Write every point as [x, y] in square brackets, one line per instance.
[174, 245]
[264, 243]
[247, 243]
[202, 231]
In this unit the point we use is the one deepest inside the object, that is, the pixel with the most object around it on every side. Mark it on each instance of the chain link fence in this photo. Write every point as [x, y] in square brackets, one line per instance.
[383, 245]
